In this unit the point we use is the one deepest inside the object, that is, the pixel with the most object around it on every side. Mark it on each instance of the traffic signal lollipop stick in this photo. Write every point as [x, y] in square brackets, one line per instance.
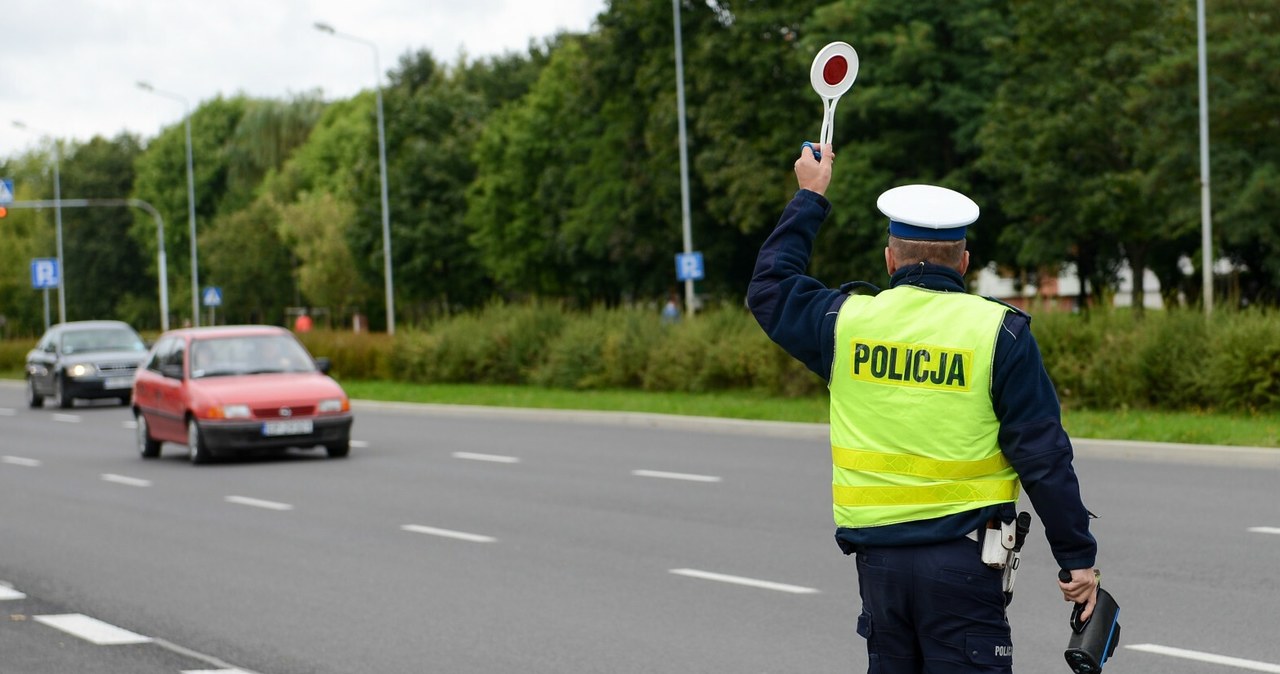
[833, 71]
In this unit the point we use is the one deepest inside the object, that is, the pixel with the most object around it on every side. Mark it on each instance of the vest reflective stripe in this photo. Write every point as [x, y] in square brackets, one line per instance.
[920, 466]
[954, 492]
[913, 432]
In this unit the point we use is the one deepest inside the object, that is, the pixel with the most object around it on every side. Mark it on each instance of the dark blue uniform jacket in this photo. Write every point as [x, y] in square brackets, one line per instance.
[799, 313]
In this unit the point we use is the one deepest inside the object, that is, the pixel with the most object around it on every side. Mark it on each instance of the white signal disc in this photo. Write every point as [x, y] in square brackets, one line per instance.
[834, 69]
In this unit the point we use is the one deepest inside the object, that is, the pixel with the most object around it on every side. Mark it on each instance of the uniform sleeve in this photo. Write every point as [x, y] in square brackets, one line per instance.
[1032, 437]
[796, 311]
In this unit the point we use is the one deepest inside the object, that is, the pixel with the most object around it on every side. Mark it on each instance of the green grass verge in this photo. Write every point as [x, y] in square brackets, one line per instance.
[1184, 427]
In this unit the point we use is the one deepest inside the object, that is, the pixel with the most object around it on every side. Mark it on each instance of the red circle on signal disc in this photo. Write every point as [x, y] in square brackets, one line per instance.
[834, 71]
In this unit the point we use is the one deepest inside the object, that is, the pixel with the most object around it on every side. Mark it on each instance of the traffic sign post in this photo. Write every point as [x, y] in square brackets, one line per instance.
[689, 267]
[211, 298]
[45, 275]
[6, 191]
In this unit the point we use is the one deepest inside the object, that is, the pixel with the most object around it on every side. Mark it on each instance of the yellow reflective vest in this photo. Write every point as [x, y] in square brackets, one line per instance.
[913, 432]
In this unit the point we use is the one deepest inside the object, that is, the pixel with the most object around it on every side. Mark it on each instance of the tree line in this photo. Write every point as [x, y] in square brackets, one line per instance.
[553, 173]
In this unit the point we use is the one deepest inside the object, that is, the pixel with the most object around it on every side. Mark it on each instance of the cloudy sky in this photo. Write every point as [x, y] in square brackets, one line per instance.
[70, 68]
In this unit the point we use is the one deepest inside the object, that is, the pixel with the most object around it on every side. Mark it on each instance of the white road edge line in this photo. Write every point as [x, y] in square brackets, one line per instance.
[67, 418]
[125, 480]
[447, 533]
[19, 461]
[9, 594]
[1265, 530]
[258, 503]
[1241, 663]
[690, 477]
[91, 629]
[749, 582]
[494, 458]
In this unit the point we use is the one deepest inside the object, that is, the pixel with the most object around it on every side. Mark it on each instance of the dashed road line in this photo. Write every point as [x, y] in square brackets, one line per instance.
[7, 412]
[1265, 530]
[690, 477]
[9, 594]
[20, 461]
[92, 630]
[359, 444]
[258, 503]
[214, 671]
[67, 418]
[494, 458]
[125, 480]
[448, 533]
[129, 424]
[740, 580]
[1240, 663]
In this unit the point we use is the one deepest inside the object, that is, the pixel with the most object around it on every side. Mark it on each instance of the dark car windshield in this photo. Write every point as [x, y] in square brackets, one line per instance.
[101, 339]
[254, 354]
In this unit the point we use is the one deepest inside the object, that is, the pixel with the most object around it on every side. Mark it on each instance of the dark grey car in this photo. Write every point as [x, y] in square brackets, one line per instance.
[84, 359]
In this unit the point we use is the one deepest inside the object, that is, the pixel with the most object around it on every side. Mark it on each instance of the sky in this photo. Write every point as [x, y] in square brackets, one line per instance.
[69, 68]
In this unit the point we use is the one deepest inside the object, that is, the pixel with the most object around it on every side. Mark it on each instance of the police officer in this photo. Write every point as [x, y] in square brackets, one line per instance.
[940, 409]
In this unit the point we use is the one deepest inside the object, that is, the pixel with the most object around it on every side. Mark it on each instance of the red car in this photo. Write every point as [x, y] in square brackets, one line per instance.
[237, 389]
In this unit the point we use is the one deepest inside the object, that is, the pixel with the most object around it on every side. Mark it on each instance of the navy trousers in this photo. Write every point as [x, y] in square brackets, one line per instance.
[933, 609]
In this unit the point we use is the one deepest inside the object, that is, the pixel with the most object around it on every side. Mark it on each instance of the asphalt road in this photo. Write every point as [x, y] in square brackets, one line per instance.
[464, 540]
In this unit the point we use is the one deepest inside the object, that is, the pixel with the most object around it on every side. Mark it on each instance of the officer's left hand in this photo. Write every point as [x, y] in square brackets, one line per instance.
[1081, 589]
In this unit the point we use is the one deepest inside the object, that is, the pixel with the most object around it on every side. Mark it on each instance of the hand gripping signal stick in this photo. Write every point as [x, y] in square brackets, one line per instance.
[833, 71]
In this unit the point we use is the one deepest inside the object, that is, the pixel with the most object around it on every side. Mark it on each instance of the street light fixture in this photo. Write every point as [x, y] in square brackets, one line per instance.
[382, 169]
[191, 200]
[57, 217]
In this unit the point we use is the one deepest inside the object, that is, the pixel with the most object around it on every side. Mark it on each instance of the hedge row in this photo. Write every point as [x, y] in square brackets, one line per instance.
[1173, 360]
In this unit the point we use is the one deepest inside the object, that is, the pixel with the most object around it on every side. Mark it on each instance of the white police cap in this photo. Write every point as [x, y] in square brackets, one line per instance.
[927, 212]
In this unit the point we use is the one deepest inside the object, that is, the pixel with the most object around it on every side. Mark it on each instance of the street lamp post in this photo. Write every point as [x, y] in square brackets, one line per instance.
[382, 170]
[57, 218]
[686, 227]
[191, 200]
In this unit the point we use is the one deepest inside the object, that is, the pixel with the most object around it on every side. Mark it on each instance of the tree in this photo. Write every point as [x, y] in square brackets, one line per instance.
[1066, 136]
[243, 255]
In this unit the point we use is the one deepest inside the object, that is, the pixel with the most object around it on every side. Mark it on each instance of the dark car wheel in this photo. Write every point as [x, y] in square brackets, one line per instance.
[34, 399]
[148, 448]
[340, 449]
[196, 449]
[64, 401]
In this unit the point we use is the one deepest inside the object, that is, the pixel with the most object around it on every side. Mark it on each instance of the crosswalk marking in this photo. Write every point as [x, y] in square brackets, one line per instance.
[91, 629]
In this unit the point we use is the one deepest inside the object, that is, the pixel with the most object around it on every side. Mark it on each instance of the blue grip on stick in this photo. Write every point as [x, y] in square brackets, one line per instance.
[817, 154]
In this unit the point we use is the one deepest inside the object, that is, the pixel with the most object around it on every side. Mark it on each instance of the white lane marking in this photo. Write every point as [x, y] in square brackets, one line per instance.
[495, 458]
[358, 444]
[7, 411]
[214, 671]
[67, 418]
[129, 424]
[448, 533]
[691, 477]
[749, 582]
[258, 503]
[8, 593]
[1265, 530]
[91, 629]
[19, 461]
[1241, 663]
[125, 480]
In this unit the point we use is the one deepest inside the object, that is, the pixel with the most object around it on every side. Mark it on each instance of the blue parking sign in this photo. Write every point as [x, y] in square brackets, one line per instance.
[44, 273]
[689, 267]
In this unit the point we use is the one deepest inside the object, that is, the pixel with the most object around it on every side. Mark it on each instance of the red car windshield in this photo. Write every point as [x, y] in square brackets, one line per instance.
[250, 354]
